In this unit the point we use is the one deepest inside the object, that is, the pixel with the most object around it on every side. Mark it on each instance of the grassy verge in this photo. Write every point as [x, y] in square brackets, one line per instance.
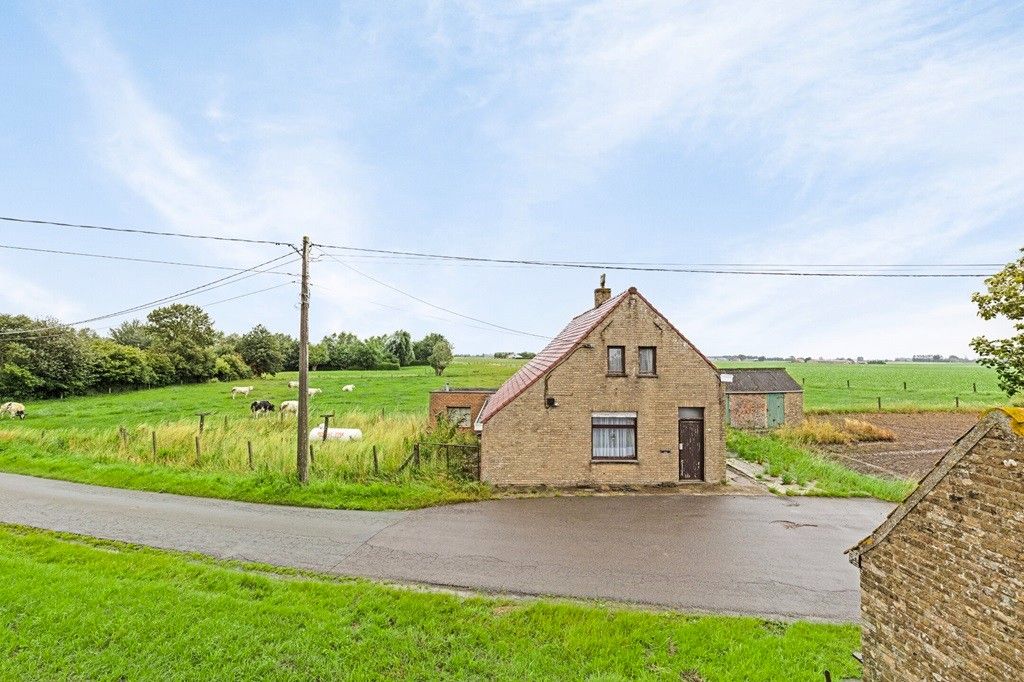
[794, 464]
[263, 485]
[124, 612]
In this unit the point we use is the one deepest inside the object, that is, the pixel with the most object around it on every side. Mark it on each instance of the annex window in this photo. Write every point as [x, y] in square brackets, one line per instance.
[648, 360]
[616, 359]
[459, 416]
[613, 435]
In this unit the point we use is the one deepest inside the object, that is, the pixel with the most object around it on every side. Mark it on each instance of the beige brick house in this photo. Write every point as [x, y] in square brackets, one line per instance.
[942, 579]
[619, 397]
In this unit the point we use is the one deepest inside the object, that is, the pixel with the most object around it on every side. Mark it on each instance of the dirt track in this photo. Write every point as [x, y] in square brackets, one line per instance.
[921, 439]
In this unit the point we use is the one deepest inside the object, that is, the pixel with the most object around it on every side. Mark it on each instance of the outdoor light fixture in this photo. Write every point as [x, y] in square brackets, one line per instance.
[551, 402]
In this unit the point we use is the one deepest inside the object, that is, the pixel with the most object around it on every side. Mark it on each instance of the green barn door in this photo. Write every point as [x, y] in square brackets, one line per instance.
[776, 409]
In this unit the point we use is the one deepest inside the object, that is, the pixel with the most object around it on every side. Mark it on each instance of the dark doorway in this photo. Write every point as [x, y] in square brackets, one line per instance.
[691, 444]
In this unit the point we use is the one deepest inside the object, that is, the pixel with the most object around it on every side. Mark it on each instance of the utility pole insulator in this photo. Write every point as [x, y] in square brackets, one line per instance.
[302, 453]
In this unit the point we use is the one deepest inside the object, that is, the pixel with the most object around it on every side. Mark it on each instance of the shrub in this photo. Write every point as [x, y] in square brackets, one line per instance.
[388, 364]
[866, 431]
[816, 432]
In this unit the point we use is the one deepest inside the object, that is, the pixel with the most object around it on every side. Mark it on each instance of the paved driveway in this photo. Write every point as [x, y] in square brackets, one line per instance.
[764, 555]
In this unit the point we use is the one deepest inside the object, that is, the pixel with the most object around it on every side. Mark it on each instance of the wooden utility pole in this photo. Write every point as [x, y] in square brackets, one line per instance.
[302, 453]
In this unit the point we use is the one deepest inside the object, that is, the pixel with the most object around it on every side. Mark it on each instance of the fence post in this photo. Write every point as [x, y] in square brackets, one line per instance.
[124, 437]
[225, 422]
[957, 402]
[376, 466]
[904, 385]
[847, 383]
[327, 419]
[199, 451]
[248, 444]
[202, 421]
[416, 455]
[975, 386]
[311, 454]
[879, 403]
[154, 443]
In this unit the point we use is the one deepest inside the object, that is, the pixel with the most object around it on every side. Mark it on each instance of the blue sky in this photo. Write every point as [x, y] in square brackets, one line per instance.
[785, 132]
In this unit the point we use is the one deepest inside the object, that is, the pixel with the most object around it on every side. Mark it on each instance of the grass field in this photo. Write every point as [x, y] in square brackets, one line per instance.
[930, 386]
[124, 612]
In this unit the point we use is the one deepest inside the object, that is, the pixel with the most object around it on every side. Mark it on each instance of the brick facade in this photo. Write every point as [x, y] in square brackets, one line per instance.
[472, 398]
[942, 580]
[750, 410]
[529, 443]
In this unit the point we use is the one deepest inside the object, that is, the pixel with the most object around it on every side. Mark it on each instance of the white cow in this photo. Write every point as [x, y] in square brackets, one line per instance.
[240, 390]
[293, 384]
[290, 406]
[13, 409]
[348, 387]
[336, 434]
[313, 391]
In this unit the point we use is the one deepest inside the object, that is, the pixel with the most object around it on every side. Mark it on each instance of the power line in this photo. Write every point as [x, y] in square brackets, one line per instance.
[251, 293]
[613, 266]
[209, 286]
[434, 305]
[138, 260]
[132, 230]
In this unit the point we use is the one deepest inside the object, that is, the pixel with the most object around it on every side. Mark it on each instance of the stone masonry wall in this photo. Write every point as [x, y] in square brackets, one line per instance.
[942, 597]
[794, 408]
[748, 410]
[527, 443]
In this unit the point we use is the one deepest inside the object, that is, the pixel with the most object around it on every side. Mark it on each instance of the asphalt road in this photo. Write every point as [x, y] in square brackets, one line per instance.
[757, 555]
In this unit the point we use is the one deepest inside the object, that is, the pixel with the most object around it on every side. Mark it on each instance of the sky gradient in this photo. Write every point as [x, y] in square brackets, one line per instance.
[720, 132]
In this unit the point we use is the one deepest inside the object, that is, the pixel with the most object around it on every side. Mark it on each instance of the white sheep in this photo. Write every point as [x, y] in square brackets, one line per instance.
[336, 434]
[348, 387]
[290, 406]
[13, 410]
[313, 391]
[240, 390]
[293, 384]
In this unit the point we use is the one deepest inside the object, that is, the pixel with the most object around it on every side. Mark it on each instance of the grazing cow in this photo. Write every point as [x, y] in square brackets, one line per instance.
[261, 406]
[240, 390]
[290, 406]
[293, 384]
[313, 391]
[337, 434]
[13, 410]
[348, 387]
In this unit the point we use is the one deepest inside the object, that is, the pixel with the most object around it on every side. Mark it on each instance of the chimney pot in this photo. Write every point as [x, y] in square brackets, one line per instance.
[602, 293]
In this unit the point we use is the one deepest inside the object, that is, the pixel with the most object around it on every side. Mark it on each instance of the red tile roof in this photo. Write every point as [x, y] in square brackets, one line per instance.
[557, 350]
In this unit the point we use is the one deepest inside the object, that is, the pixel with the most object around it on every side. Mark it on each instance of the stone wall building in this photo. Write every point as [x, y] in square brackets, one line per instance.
[619, 397]
[762, 398]
[461, 406]
[942, 579]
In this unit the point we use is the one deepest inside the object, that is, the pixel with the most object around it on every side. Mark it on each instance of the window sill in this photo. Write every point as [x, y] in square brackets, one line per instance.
[647, 376]
[614, 461]
[616, 374]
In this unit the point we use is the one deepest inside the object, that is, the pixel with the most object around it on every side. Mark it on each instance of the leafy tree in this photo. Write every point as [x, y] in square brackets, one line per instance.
[261, 351]
[290, 352]
[317, 356]
[116, 365]
[132, 333]
[440, 357]
[1004, 298]
[422, 349]
[53, 357]
[399, 345]
[231, 366]
[527, 355]
[162, 366]
[16, 382]
[185, 334]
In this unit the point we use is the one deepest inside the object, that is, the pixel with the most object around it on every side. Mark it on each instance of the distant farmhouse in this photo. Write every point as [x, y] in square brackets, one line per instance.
[762, 398]
[942, 579]
[620, 396]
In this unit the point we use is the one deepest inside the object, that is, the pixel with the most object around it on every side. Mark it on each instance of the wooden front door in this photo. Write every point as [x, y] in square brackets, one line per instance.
[691, 449]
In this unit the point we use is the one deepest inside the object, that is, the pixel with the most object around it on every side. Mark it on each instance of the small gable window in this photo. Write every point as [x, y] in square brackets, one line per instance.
[459, 416]
[616, 359]
[648, 360]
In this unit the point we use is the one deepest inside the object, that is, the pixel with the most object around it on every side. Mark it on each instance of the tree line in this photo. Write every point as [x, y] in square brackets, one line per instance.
[178, 344]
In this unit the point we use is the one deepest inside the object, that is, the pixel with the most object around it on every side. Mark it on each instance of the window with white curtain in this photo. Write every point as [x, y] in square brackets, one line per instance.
[648, 357]
[613, 435]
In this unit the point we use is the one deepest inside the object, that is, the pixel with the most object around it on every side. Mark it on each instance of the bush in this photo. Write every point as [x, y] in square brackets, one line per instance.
[816, 432]
[388, 364]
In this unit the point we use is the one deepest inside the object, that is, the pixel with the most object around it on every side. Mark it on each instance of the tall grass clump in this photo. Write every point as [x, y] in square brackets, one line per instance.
[815, 431]
[865, 432]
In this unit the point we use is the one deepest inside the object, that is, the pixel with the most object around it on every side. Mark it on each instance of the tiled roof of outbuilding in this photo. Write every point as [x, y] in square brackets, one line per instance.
[760, 380]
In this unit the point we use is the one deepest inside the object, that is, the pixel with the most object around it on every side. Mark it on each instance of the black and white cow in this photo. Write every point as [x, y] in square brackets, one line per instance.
[261, 406]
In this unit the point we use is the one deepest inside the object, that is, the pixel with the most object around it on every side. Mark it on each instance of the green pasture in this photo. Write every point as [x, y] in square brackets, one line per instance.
[75, 608]
[929, 386]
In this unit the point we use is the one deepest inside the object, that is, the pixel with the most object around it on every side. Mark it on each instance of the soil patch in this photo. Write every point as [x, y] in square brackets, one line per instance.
[921, 439]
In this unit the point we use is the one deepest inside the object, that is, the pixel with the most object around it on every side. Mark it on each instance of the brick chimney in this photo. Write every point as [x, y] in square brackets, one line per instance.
[602, 293]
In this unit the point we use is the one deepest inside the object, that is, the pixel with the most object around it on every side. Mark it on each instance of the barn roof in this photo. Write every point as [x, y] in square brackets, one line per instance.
[559, 349]
[760, 380]
[1013, 417]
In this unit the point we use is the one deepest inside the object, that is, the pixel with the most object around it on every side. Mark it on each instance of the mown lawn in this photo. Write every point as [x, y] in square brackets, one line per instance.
[78, 608]
[795, 464]
[930, 386]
